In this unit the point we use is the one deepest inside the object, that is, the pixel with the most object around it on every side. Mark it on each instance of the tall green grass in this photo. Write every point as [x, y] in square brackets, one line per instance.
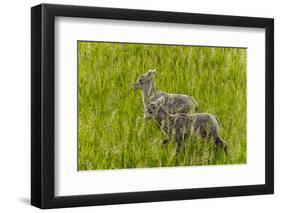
[112, 132]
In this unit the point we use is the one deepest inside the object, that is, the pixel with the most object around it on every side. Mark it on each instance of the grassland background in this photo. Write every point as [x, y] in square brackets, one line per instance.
[112, 133]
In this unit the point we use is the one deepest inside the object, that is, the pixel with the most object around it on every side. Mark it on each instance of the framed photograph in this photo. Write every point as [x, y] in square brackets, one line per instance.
[140, 106]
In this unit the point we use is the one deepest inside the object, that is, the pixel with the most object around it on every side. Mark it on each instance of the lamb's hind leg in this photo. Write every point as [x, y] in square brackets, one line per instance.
[221, 143]
[179, 139]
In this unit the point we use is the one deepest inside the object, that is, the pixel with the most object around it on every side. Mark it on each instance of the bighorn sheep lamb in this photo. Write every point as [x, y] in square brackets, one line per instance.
[174, 103]
[182, 125]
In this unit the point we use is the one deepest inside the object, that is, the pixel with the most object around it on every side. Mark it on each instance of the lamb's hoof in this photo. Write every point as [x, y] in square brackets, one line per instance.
[165, 141]
[177, 152]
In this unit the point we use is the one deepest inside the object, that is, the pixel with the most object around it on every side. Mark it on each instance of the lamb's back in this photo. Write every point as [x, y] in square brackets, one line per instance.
[178, 103]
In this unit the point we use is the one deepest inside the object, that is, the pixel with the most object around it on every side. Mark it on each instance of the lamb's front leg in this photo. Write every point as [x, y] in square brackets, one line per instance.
[166, 139]
[166, 136]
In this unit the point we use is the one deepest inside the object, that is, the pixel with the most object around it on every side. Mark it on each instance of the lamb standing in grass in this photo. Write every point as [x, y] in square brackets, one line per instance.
[174, 103]
[181, 126]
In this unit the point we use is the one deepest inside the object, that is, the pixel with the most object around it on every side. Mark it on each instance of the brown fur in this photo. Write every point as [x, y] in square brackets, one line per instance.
[182, 125]
[174, 103]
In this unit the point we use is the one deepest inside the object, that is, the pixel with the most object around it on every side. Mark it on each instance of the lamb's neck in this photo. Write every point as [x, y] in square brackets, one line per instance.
[149, 93]
[162, 118]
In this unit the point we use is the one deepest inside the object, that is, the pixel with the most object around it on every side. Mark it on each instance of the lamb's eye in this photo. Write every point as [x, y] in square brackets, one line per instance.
[150, 111]
[140, 80]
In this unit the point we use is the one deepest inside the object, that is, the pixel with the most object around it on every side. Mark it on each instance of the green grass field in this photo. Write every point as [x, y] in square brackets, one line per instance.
[112, 131]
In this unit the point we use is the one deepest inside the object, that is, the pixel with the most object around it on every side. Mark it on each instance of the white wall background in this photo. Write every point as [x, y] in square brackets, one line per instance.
[15, 105]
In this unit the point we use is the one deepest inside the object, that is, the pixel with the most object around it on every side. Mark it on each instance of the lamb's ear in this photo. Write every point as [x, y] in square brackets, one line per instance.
[151, 73]
[160, 101]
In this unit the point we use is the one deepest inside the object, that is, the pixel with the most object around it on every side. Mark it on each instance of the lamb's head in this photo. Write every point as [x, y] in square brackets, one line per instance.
[153, 107]
[144, 80]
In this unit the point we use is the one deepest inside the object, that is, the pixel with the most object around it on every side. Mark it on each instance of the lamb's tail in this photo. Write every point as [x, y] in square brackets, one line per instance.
[217, 120]
[192, 102]
[223, 144]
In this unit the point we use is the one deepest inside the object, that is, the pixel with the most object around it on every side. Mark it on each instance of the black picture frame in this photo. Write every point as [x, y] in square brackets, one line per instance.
[43, 102]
